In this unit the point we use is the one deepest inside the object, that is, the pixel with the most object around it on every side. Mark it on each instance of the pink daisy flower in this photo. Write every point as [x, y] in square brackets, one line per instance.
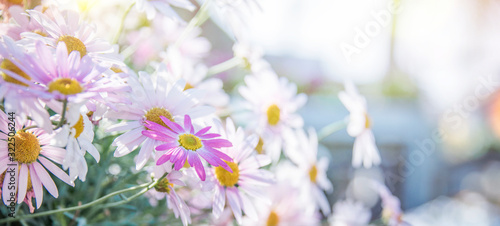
[32, 158]
[67, 76]
[16, 85]
[185, 144]
[246, 181]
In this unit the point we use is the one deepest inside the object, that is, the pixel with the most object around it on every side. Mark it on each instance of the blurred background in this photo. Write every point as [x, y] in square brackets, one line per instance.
[430, 72]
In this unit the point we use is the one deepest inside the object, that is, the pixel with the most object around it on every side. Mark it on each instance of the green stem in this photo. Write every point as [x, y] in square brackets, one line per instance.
[224, 66]
[198, 19]
[122, 23]
[97, 201]
[61, 123]
[331, 128]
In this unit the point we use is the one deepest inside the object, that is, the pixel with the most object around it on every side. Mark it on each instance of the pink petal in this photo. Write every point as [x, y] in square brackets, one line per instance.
[23, 183]
[46, 180]
[203, 131]
[58, 172]
[198, 166]
[164, 158]
[187, 124]
[172, 125]
[166, 146]
[217, 143]
[37, 186]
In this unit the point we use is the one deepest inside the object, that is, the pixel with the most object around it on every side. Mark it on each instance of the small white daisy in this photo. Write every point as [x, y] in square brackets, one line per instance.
[152, 96]
[273, 103]
[365, 151]
[311, 176]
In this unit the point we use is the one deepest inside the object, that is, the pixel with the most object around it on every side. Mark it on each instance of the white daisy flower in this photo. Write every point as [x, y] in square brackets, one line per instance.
[164, 7]
[251, 56]
[365, 151]
[67, 26]
[311, 176]
[77, 138]
[391, 206]
[350, 213]
[285, 208]
[246, 181]
[195, 77]
[152, 96]
[273, 103]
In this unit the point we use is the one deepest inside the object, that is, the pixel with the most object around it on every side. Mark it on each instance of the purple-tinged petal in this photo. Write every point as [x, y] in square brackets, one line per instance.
[172, 125]
[203, 131]
[210, 158]
[164, 158]
[157, 135]
[37, 186]
[181, 160]
[166, 146]
[219, 154]
[209, 136]
[188, 125]
[159, 128]
[217, 143]
[198, 166]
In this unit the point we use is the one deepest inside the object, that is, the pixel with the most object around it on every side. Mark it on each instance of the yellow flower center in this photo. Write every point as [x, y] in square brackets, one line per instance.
[273, 219]
[27, 147]
[163, 186]
[313, 173]
[66, 86]
[154, 114]
[190, 141]
[226, 178]
[188, 86]
[8, 65]
[79, 127]
[368, 122]
[273, 115]
[16, 2]
[73, 44]
[260, 146]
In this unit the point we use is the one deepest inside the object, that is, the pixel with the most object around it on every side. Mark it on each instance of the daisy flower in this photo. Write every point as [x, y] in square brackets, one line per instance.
[16, 88]
[246, 179]
[195, 76]
[311, 176]
[273, 103]
[251, 56]
[163, 6]
[186, 144]
[152, 96]
[32, 156]
[29, 193]
[350, 213]
[69, 77]
[284, 210]
[391, 206]
[67, 27]
[20, 23]
[365, 152]
[77, 138]
[165, 189]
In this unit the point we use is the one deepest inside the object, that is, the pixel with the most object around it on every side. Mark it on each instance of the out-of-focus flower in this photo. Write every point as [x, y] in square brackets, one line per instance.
[31, 157]
[152, 96]
[163, 6]
[15, 89]
[391, 206]
[185, 144]
[194, 74]
[165, 189]
[311, 176]
[246, 180]
[77, 138]
[273, 103]
[251, 56]
[284, 210]
[67, 27]
[350, 213]
[20, 23]
[365, 151]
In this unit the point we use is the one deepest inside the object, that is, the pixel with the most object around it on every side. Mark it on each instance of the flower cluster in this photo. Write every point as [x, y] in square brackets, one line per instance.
[63, 83]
